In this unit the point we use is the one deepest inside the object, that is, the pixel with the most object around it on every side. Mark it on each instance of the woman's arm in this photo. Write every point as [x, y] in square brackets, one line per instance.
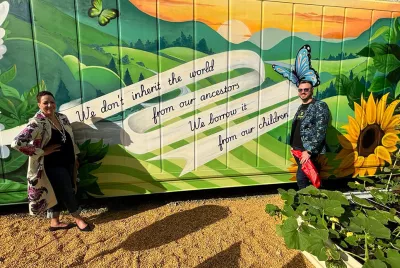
[27, 141]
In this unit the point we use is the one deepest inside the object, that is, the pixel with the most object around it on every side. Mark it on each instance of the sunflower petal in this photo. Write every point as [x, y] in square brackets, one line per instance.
[362, 171]
[392, 130]
[347, 141]
[359, 162]
[380, 108]
[391, 149]
[348, 161]
[343, 153]
[340, 173]
[387, 117]
[390, 140]
[395, 121]
[360, 116]
[353, 129]
[383, 153]
[371, 110]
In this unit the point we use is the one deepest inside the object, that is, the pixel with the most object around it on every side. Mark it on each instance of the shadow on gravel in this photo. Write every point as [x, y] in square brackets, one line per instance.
[171, 228]
[227, 258]
[297, 261]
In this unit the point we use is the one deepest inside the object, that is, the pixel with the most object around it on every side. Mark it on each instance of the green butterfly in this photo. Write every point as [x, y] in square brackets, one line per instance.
[105, 15]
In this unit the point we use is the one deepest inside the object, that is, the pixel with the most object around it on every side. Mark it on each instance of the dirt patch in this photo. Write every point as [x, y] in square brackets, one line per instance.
[224, 232]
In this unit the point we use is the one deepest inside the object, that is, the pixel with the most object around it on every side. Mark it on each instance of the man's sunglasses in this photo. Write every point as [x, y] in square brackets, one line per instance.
[304, 89]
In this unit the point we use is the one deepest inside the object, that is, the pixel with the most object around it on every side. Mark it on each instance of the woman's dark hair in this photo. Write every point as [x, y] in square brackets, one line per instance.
[43, 93]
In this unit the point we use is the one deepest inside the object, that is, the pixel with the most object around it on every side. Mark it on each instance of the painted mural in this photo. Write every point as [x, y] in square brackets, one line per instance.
[178, 95]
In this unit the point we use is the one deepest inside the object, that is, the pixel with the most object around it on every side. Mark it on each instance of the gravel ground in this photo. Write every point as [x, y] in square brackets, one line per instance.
[208, 229]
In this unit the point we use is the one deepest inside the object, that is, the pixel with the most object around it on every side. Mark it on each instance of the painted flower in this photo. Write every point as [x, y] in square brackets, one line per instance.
[39, 206]
[4, 150]
[4, 8]
[371, 137]
[321, 164]
[34, 194]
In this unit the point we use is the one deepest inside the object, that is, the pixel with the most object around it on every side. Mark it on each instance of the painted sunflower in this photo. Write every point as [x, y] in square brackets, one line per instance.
[321, 164]
[371, 138]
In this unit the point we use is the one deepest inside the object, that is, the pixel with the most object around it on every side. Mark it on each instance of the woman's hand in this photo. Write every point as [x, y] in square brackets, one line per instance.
[51, 149]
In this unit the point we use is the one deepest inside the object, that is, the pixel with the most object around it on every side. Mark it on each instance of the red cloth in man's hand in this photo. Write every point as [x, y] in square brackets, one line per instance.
[309, 169]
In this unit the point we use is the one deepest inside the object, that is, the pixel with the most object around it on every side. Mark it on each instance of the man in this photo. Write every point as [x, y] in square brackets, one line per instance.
[308, 130]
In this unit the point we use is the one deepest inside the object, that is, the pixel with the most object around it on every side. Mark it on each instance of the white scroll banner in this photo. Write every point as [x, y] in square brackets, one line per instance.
[119, 100]
[217, 144]
[140, 143]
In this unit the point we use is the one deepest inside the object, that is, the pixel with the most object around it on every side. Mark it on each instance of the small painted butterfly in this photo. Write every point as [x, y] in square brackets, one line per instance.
[104, 15]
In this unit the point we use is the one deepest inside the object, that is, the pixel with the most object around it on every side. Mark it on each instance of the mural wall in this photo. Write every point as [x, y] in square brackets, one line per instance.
[175, 95]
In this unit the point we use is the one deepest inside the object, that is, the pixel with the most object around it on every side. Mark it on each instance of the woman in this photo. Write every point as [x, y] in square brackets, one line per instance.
[49, 142]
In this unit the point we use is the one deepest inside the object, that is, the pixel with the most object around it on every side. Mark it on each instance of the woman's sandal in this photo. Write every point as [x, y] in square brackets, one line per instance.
[56, 228]
[88, 228]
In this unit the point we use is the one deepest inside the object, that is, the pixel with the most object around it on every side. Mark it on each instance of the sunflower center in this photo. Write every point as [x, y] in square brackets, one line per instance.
[370, 138]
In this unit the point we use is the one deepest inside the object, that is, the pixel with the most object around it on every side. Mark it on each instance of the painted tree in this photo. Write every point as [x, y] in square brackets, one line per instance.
[202, 46]
[127, 78]
[62, 94]
[112, 66]
[139, 44]
[141, 77]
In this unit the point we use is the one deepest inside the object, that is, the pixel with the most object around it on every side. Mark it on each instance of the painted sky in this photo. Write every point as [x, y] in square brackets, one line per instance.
[256, 15]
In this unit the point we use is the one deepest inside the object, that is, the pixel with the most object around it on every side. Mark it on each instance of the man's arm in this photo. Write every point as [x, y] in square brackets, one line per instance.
[321, 126]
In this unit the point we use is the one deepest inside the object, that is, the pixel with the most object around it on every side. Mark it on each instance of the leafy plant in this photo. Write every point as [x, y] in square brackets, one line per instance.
[386, 58]
[90, 154]
[315, 220]
[16, 109]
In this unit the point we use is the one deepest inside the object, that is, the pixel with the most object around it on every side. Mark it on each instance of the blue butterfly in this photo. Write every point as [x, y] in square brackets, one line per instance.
[302, 68]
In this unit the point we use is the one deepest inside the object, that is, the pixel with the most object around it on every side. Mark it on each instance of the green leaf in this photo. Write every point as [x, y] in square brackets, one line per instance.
[294, 238]
[382, 216]
[288, 196]
[16, 160]
[386, 63]
[11, 186]
[366, 52]
[311, 190]
[379, 254]
[9, 75]
[397, 90]
[353, 185]
[336, 195]
[380, 197]
[374, 264]
[272, 210]
[370, 226]
[361, 202]
[8, 91]
[381, 31]
[335, 264]
[366, 180]
[329, 207]
[379, 83]
[94, 148]
[352, 240]
[354, 92]
[342, 83]
[13, 197]
[393, 258]
[87, 180]
[288, 211]
[21, 108]
[316, 242]
[93, 189]
[6, 106]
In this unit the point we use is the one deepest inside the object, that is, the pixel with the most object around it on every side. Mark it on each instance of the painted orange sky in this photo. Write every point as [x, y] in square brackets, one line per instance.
[319, 21]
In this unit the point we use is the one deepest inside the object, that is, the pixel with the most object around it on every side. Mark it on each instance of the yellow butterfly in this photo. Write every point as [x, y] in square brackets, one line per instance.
[104, 15]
